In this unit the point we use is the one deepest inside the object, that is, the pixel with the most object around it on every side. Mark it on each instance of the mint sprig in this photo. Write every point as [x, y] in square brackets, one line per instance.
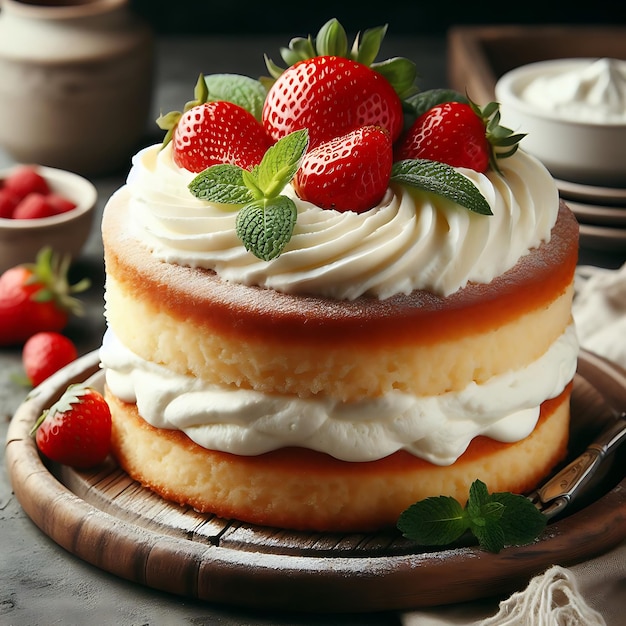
[266, 218]
[443, 180]
[497, 520]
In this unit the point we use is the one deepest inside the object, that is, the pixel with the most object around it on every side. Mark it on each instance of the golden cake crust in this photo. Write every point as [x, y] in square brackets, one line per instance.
[239, 336]
[307, 490]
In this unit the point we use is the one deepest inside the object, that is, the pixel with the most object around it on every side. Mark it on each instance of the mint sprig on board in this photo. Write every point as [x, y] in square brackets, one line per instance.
[443, 180]
[266, 218]
[497, 520]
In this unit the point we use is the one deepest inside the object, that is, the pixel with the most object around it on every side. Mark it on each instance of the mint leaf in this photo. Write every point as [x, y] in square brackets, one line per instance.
[222, 183]
[243, 91]
[490, 535]
[521, 521]
[266, 226]
[478, 497]
[497, 520]
[266, 221]
[426, 100]
[281, 162]
[434, 521]
[443, 180]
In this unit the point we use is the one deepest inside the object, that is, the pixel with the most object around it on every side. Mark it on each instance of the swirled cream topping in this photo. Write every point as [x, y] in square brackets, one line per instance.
[411, 240]
[245, 422]
[582, 90]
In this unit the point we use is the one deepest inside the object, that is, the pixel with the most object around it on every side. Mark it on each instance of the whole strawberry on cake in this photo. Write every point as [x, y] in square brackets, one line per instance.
[330, 295]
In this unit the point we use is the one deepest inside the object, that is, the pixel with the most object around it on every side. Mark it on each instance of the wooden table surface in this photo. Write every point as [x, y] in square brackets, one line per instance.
[41, 583]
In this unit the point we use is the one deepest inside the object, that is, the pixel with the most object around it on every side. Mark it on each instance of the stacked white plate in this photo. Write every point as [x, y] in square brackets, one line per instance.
[601, 213]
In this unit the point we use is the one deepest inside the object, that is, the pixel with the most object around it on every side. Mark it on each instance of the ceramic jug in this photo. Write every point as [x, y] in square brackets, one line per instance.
[75, 82]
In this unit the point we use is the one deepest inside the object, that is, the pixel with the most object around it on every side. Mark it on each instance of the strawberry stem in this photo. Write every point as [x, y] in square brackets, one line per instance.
[51, 272]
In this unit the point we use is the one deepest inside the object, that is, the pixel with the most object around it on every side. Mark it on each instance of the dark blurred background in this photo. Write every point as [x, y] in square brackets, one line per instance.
[432, 17]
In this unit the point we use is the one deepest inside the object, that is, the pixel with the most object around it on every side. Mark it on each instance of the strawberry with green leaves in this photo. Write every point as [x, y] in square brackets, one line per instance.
[213, 132]
[332, 174]
[76, 430]
[331, 96]
[330, 89]
[37, 297]
[460, 134]
[347, 173]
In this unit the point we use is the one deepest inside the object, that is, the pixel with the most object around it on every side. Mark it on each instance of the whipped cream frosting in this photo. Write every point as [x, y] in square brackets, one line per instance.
[411, 240]
[245, 422]
[582, 90]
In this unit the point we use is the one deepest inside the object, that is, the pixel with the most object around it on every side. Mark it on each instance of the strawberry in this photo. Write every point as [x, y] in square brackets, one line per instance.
[451, 133]
[459, 134]
[8, 202]
[24, 180]
[218, 132]
[330, 96]
[37, 297]
[212, 133]
[25, 194]
[59, 203]
[45, 353]
[347, 173]
[76, 430]
[35, 205]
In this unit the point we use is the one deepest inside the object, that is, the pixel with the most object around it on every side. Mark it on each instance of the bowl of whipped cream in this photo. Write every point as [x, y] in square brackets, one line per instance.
[574, 114]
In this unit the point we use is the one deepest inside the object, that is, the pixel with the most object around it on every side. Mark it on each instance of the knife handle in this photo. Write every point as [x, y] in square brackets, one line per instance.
[567, 483]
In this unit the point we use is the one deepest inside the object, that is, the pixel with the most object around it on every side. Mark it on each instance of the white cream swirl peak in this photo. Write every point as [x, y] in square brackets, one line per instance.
[278, 355]
[410, 240]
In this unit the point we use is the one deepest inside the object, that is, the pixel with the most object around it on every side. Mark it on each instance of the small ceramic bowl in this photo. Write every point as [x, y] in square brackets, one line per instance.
[65, 233]
[573, 139]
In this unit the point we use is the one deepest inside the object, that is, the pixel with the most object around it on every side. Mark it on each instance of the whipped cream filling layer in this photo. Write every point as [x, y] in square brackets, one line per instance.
[412, 240]
[245, 422]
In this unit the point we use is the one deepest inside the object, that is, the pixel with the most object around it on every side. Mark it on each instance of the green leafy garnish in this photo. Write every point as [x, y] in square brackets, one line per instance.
[497, 520]
[332, 40]
[503, 142]
[424, 101]
[169, 121]
[265, 229]
[266, 218]
[244, 91]
[443, 180]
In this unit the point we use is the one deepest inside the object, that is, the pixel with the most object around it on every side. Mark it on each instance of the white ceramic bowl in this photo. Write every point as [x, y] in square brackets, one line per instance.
[66, 233]
[591, 152]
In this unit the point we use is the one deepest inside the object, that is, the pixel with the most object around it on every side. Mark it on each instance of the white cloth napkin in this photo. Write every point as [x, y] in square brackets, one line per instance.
[600, 311]
[592, 593]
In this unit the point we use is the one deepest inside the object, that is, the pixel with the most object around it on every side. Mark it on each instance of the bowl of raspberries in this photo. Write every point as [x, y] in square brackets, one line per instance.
[43, 206]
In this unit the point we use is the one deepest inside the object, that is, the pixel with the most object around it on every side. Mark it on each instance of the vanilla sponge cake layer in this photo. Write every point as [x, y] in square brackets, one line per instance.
[307, 490]
[238, 336]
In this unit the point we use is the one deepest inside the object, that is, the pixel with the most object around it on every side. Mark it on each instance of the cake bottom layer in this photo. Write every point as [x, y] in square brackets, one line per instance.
[305, 490]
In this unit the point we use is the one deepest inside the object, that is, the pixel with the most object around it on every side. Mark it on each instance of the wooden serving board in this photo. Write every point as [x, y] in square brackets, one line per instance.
[108, 520]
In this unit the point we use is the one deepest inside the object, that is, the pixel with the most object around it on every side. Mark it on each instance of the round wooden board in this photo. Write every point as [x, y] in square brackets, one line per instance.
[105, 518]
